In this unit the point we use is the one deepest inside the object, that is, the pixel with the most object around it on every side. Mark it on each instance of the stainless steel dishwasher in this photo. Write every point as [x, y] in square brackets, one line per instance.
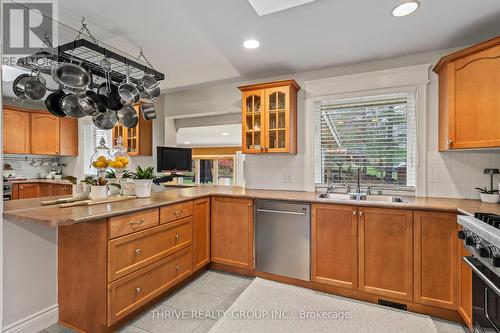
[282, 238]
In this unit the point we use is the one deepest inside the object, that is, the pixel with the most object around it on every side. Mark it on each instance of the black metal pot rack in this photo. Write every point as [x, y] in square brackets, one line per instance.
[89, 55]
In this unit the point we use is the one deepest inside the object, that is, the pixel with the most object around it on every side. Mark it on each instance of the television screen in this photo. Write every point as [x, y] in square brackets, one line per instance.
[173, 159]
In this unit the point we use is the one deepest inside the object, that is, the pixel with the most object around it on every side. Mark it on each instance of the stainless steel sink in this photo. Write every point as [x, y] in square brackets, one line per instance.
[360, 197]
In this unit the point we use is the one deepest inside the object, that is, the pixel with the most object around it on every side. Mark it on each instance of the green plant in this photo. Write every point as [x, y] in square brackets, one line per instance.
[111, 174]
[486, 191]
[94, 181]
[146, 173]
[71, 179]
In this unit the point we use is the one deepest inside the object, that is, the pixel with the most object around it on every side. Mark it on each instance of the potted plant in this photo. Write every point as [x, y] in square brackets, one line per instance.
[115, 187]
[98, 187]
[143, 181]
[490, 196]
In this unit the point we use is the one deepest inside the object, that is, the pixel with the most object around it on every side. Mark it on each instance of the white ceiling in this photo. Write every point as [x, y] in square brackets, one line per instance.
[198, 41]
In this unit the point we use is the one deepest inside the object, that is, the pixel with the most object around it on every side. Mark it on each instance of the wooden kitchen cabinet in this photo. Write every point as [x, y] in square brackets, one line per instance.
[61, 189]
[44, 134]
[68, 136]
[386, 252]
[334, 245]
[436, 259]
[137, 140]
[464, 287]
[232, 232]
[201, 233]
[469, 81]
[25, 191]
[269, 117]
[16, 131]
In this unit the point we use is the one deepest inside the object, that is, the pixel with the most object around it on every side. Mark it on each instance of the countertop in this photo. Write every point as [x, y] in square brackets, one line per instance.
[40, 180]
[31, 210]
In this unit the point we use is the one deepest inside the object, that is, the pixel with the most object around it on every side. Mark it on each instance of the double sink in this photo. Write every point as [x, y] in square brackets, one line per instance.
[360, 197]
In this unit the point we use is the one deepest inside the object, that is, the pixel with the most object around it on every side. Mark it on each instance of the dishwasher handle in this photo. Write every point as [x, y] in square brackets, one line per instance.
[273, 211]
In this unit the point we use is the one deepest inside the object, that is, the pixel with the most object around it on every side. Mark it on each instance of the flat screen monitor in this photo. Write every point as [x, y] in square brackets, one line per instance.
[171, 159]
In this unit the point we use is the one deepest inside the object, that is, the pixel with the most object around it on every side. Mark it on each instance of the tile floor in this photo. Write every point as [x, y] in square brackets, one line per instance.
[210, 294]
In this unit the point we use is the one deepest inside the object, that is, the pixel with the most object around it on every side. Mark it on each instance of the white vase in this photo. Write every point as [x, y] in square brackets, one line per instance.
[113, 190]
[98, 192]
[143, 187]
[490, 198]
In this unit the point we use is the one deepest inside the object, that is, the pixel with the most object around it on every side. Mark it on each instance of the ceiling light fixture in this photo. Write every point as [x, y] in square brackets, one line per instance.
[405, 8]
[251, 44]
[187, 142]
[225, 134]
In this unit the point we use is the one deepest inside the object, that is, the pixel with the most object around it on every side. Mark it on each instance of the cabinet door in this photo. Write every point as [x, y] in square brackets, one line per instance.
[253, 122]
[476, 82]
[201, 233]
[16, 132]
[28, 191]
[436, 259]
[334, 244]
[68, 136]
[386, 252]
[44, 134]
[232, 232]
[60, 189]
[465, 287]
[277, 134]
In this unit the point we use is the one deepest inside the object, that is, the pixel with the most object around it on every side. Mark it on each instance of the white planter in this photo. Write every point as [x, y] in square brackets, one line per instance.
[490, 198]
[98, 192]
[81, 190]
[113, 190]
[143, 187]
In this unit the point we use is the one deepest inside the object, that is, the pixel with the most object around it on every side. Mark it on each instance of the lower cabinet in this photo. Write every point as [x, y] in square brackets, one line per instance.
[386, 252]
[334, 245]
[25, 191]
[232, 232]
[201, 233]
[436, 259]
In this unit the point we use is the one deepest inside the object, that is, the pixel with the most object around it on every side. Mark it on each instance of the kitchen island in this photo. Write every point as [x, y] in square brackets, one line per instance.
[114, 259]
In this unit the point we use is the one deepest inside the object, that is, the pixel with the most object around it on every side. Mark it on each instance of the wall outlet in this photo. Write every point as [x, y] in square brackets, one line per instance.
[287, 179]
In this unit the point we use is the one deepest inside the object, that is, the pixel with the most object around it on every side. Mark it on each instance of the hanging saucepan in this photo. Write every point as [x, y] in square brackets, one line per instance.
[91, 103]
[149, 84]
[52, 103]
[128, 92]
[71, 77]
[148, 111]
[106, 120]
[48, 81]
[127, 116]
[69, 105]
[28, 86]
[112, 98]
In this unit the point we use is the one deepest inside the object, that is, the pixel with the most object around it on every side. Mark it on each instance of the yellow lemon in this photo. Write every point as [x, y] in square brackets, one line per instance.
[118, 164]
[101, 158]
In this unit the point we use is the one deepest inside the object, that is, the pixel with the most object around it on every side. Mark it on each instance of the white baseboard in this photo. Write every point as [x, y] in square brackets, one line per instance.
[36, 322]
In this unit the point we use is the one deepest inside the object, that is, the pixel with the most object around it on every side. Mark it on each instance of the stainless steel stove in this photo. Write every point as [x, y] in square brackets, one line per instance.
[481, 235]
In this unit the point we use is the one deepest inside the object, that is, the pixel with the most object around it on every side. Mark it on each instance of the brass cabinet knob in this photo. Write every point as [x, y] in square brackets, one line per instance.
[178, 268]
[360, 213]
[177, 213]
[354, 213]
[176, 237]
[138, 290]
[138, 251]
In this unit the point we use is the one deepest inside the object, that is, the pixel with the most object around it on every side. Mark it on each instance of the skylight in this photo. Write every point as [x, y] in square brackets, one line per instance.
[265, 7]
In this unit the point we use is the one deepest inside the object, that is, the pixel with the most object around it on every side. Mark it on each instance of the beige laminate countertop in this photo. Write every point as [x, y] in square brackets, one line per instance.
[40, 180]
[31, 210]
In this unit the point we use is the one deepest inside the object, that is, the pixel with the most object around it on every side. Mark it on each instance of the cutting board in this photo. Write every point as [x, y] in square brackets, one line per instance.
[96, 202]
[61, 201]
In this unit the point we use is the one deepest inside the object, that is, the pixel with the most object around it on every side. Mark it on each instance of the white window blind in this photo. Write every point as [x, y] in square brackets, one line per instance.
[91, 137]
[375, 134]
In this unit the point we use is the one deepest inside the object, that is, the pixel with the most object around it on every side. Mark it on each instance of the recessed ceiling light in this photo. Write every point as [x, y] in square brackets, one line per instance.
[187, 142]
[251, 44]
[406, 8]
[225, 133]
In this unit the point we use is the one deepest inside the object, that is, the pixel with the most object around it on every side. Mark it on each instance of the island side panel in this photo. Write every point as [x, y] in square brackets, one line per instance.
[82, 277]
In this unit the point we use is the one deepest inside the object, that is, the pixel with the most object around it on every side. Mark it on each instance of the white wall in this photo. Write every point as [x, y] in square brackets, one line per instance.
[448, 174]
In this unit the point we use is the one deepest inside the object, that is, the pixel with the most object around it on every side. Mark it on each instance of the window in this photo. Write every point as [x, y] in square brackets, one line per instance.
[373, 134]
[91, 137]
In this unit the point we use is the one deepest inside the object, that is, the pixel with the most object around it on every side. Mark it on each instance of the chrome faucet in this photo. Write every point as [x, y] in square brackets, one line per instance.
[358, 188]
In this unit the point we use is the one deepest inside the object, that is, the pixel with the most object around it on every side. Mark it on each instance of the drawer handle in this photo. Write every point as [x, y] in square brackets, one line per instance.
[135, 224]
[138, 290]
[178, 213]
[176, 237]
[178, 268]
[138, 251]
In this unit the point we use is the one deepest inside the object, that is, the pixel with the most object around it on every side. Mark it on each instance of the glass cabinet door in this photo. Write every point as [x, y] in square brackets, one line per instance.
[253, 121]
[277, 119]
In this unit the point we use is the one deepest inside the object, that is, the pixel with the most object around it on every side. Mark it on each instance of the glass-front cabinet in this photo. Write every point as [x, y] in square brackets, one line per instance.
[137, 140]
[270, 117]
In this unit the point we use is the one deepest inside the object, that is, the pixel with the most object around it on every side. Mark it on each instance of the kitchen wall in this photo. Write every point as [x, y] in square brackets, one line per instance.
[450, 174]
[22, 164]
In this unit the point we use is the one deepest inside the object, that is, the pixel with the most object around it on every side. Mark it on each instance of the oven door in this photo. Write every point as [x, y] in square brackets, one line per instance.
[485, 297]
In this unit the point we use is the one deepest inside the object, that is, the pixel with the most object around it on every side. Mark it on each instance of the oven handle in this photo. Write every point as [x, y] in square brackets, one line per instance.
[468, 261]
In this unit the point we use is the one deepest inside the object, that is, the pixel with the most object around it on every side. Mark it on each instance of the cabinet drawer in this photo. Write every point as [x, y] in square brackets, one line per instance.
[134, 290]
[176, 211]
[126, 224]
[129, 253]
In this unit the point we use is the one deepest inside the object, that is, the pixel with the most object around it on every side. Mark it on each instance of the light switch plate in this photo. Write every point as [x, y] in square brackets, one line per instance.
[265, 7]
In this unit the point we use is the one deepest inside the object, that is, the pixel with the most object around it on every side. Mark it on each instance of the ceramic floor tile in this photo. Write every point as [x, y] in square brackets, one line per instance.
[203, 302]
[180, 298]
[448, 327]
[223, 287]
[205, 326]
[178, 326]
[152, 317]
[131, 329]
[56, 328]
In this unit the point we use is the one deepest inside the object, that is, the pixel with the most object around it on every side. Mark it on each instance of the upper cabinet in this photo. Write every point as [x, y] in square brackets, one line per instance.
[137, 140]
[38, 133]
[469, 102]
[270, 117]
